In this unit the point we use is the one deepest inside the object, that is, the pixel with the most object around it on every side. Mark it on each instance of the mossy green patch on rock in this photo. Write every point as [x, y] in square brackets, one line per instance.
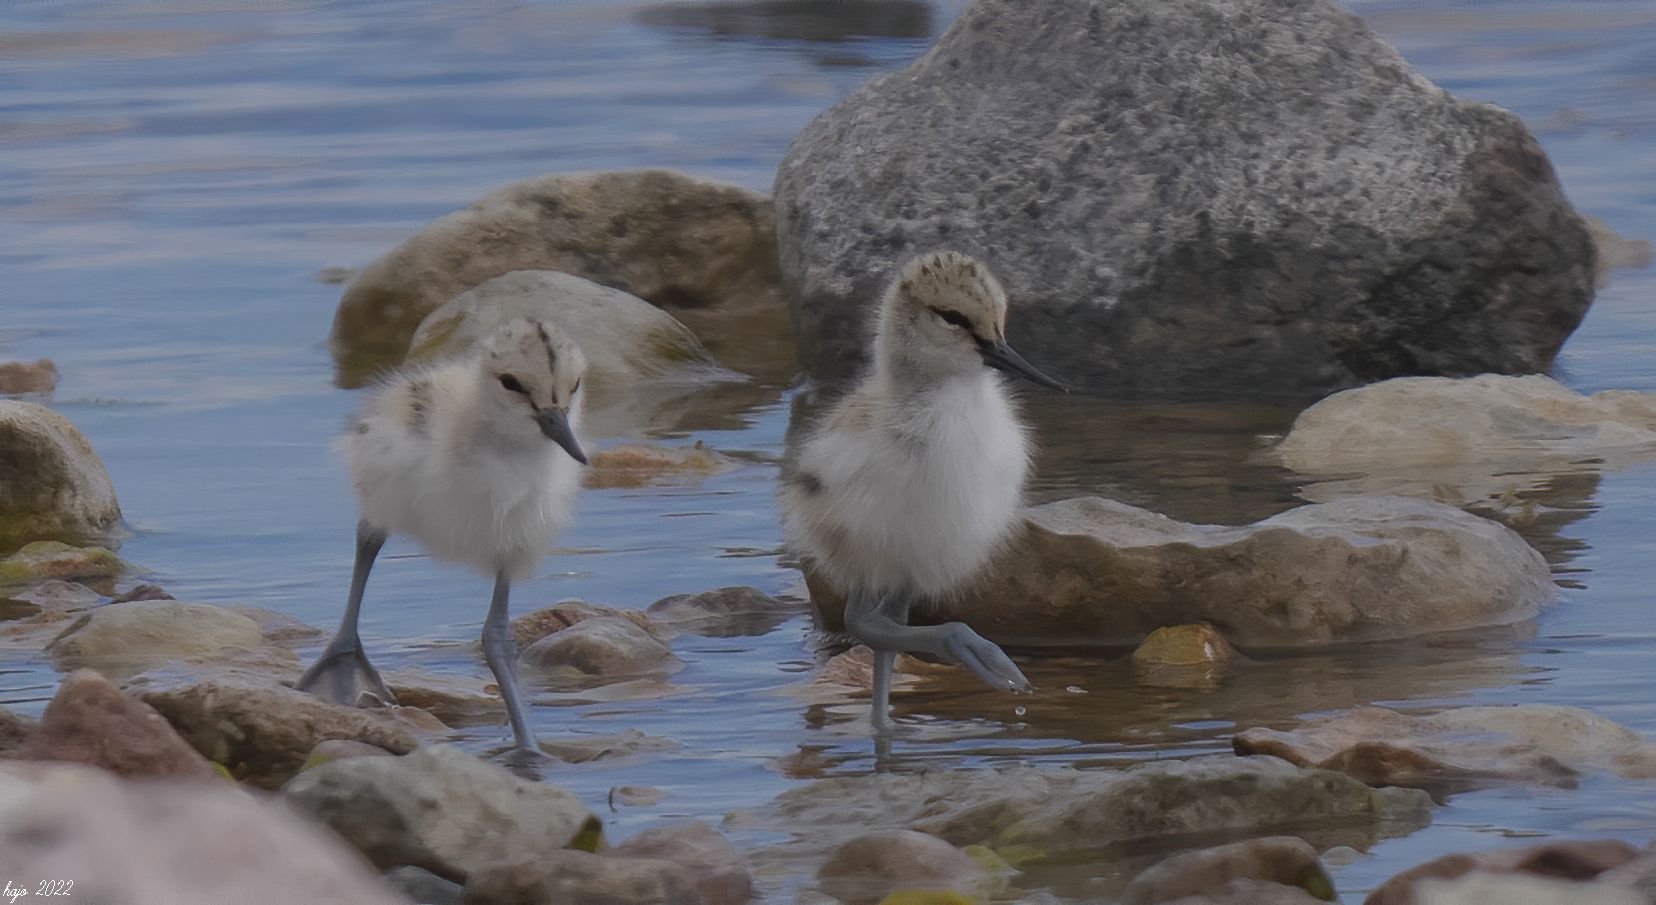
[51, 559]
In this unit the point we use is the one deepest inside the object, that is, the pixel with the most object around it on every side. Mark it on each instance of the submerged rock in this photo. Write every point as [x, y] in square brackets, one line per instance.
[640, 466]
[1463, 746]
[628, 742]
[575, 876]
[169, 842]
[538, 624]
[1095, 571]
[625, 339]
[719, 873]
[441, 809]
[34, 616]
[54, 560]
[54, 485]
[1184, 196]
[1577, 872]
[721, 613]
[867, 868]
[1048, 811]
[19, 377]
[1211, 873]
[262, 732]
[89, 721]
[603, 647]
[665, 237]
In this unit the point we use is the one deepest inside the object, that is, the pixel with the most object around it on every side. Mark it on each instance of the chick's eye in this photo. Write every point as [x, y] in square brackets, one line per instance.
[511, 383]
[954, 317]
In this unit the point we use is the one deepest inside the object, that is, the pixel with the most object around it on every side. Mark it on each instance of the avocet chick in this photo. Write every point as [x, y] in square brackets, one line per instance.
[913, 479]
[477, 460]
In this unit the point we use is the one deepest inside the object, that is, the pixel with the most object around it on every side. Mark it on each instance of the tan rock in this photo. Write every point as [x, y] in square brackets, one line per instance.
[535, 625]
[47, 559]
[17, 377]
[1574, 862]
[89, 721]
[1463, 746]
[169, 842]
[865, 869]
[125, 639]
[1095, 571]
[441, 809]
[719, 873]
[260, 731]
[721, 613]
[572, 876]
[603, 647]
[1286, 861]
[665, 237]
[54, 485]
[636, 465]
[586, 749]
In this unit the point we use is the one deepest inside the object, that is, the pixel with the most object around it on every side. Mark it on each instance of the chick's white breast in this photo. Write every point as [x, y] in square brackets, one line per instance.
[920, 508]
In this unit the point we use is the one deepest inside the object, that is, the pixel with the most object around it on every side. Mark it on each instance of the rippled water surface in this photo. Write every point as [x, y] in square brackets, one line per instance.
[174, 175]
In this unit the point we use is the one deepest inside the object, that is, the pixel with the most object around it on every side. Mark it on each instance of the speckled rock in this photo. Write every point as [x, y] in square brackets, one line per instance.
[1285, 861]
[665, 237]
[867, 868]
[1095, 571]
[604, 647]
[89, 721]
[1190, 195]
[441, 809]
[573, 876]
[52, 485]
[1462, 746]
[169, 842]
[635, 465]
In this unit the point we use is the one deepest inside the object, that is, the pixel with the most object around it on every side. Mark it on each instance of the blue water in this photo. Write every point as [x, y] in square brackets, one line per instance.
[173, 175]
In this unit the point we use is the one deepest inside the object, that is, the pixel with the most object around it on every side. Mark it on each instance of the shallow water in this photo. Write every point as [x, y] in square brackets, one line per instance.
[174, 174]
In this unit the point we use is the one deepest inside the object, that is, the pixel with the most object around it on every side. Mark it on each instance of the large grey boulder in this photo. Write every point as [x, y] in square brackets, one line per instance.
[1189, 195]
[668, 238]
[1095, 571]
[52, 485]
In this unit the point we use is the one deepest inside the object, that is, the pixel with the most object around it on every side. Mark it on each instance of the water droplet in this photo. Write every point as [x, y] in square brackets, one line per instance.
[1076, 689]
[1020, 710]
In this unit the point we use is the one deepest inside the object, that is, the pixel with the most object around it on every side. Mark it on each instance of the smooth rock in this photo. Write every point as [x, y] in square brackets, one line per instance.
[535, 625]
[1189, 196]
[48, 559]
[89, 721]
[125, 639]
[1282, 860]
[169, 842]
[1183, 645]
[1095, 571]
[1243, 891]
[602, 647]
[19, 377]
[665, 237]
[424, 887]
[439, 808]
[277, 628]
[457, 700]
[53, 484]
[40, 612]
[719, 873]
[640, 466]
[630, 796]
[1460, 747]
[1563, 869]
[1412, 422]
[340, 749]
[867, 868]
[628, 742]
[1052, 810]
[721, 613]
[262, 732]
[572, 876]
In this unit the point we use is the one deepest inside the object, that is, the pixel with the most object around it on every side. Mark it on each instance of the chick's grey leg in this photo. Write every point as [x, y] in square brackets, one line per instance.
[500, 650]
[882, 624]
[343, 672]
